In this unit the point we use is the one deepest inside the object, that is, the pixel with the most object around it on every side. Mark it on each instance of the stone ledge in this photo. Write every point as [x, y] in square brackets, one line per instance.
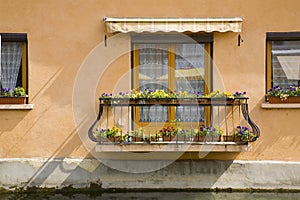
[175, 147]
[16, 106]
[280, 105]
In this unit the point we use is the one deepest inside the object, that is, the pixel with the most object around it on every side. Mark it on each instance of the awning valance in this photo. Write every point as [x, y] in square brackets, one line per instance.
[139, 25]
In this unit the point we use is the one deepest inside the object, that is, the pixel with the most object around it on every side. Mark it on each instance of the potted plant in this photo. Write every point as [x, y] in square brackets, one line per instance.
[101, 135]
[110, 134]
[167, 133]
[220, 96]
[137, 135]
[243, 134]
[180, 134]
[212, 134]
[106, 98]
[291, 94]
[15, 96]
[228, 138]
[198, 135]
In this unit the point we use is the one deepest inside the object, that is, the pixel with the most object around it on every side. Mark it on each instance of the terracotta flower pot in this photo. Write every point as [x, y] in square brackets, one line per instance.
[180, 138]
[199, 139]
[137, 139]
[101, 139]
[12, 100]
[118, 138]
[237, 139]
[111, 139]
[216, 138]
[227, 138]
[290, 99]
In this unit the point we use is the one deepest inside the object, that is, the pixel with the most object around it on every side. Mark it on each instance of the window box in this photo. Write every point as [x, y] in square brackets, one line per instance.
[277, 99]
[13, 100]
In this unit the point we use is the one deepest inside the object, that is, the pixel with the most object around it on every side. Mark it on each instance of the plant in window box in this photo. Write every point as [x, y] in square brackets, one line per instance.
[17, 96]
[159, 96]
[240, 96]
[122, 97]
[189, 135]
[220, 96]
[180, 134]
[212, 134]
[101, 135]
[113, 134]
[139, 96]
[106, 98]
[167, 133]
[191, 97]
[137, 135]
[289, 95]
[243, 134]
[200, 134]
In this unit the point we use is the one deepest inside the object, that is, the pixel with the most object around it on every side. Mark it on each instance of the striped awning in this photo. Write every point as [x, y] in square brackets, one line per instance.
[139, 25]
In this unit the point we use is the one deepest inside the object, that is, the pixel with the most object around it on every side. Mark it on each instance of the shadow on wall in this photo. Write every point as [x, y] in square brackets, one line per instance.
[9, 119]
[59, 171]
[279, 138]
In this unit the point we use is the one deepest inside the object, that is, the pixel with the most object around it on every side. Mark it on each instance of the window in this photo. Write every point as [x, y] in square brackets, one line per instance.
[13, 68]
[172, 62]
[283, 59]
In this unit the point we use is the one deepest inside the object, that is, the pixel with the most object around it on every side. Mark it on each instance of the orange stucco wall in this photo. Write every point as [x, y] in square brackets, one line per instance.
[62, 33]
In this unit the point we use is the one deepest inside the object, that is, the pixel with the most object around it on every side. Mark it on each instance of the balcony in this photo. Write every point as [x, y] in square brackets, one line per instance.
[173, 125]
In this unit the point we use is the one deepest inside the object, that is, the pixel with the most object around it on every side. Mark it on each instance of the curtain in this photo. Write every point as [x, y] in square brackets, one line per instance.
[153, 74]
[189, 74]
[11, 55]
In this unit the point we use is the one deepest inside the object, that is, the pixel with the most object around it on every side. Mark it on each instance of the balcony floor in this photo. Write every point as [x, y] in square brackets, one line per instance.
[175, 147]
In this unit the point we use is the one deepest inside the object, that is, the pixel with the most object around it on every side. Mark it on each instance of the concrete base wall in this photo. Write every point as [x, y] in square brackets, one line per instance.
[191, 174]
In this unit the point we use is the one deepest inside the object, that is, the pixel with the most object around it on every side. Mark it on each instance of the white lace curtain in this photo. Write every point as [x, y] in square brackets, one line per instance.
[11, 55]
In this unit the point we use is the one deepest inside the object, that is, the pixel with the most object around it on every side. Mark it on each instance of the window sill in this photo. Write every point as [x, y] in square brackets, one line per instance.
[280, 105]
[16, 106]
[174, 147]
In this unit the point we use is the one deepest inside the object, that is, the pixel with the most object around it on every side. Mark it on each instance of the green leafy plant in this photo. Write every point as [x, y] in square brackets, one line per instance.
[137, 133]
[19, 92]
[210, 131]
[219, 94]
[292, 90]
[109, 132]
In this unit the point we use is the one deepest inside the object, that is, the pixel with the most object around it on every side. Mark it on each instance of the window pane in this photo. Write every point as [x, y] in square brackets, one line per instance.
[153, 66]
[285, 63]
[189, 67]
[153, 74]
[11, 56]
[189, 72]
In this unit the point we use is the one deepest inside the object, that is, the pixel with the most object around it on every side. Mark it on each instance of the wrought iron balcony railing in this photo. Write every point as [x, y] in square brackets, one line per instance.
[173, 120]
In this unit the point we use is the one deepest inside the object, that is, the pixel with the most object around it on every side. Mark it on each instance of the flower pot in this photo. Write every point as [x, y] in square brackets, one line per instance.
[111, 139]
[101, 139]
[199, 139]
[154, 138]
[290, 99]
[216, 138]
[12, 100]
[180, 138]
[237, 139]
[118, 138]
[137, 139]
[227, 138]
[169, 138]
[208, 138]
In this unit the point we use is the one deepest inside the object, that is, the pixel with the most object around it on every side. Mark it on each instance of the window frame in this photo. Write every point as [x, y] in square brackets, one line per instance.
[171, 40]
[270, 37]
[20, 37]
